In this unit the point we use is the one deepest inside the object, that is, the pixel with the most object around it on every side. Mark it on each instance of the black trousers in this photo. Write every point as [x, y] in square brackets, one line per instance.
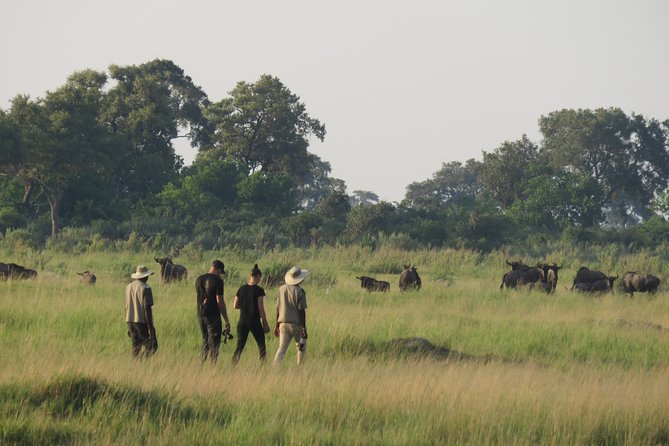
[211, 328]
[139, 336]
[243, 329]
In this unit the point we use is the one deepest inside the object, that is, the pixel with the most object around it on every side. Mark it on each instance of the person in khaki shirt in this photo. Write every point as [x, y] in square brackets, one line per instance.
[291, 315]
[138, 314]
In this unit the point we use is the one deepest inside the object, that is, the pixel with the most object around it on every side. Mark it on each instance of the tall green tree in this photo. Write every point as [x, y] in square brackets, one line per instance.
[266, 127]
[506, 170]
[627, 155]
[451, 185]
[150, 106]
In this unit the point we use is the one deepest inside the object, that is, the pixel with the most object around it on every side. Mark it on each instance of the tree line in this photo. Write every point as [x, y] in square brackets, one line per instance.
[98, 152]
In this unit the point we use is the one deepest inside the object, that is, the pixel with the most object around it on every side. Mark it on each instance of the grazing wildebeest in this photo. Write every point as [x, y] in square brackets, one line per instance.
[598, 286]
[409, 279]
[585, 275]
[642, 283]
[14, 271]
[521, 274]
[87, 278]
[170, 271]
[371, 284]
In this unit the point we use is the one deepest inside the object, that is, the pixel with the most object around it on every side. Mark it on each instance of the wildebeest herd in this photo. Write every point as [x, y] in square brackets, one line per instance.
[544, 277]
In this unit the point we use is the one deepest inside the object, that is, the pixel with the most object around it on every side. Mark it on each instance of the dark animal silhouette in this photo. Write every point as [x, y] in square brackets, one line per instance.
[521, 274]
[371, 284]
[409, 279]
[169, 271]
[632, 282]
[87, 278]
[585, 275]
[598, 286]
[548, 277]
[14, 271]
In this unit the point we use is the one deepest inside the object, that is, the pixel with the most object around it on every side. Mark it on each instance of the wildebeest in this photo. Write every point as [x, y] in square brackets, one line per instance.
[642, 283]
[598, 286]
[87, 278]
[409, 279]
[521, 274]
[585, 275]
[371, 284]
[14, 271]
[170, 271]
[550, 273]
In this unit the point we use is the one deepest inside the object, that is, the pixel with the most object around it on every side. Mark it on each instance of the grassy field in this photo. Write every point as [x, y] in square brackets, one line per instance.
[533, 369]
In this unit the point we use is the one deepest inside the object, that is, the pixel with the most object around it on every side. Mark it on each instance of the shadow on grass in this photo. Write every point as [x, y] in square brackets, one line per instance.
[401, 348]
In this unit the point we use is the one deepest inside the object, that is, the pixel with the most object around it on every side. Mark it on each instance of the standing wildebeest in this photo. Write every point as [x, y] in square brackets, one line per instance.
[585, 275]
[409, 279]
[371, 284]
[14, 271]
[550, 274]
[87, 278]
[642, 283]
[170, 271]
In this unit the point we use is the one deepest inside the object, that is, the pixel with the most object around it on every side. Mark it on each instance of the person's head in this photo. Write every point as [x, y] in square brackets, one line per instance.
[295, 275]
[142, 273]
[217, 267]
[255, 275]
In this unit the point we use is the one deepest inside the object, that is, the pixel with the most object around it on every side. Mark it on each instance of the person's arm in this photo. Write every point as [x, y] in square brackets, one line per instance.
[276, 328]
[235, 303]
[148, 314]
[263, 316]
[303, 321]
[224, 312]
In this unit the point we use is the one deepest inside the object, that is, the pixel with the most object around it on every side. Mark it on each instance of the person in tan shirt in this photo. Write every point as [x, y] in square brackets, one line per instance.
[138, 314]
[291, 315]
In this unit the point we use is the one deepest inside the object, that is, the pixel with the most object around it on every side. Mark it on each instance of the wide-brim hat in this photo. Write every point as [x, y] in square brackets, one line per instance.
[295, 275]
[142, 272]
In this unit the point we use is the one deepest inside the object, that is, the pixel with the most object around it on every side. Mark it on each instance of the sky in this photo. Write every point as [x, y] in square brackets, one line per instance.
[401, 87]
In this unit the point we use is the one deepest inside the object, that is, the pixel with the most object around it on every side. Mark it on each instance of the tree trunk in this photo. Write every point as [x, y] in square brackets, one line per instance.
[54, 205]
[27, 194]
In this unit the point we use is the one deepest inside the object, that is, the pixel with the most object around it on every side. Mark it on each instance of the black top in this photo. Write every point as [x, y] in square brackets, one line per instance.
[248, 296]
[208, 286]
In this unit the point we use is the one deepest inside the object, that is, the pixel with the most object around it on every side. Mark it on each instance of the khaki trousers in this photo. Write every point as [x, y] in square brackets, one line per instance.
[288, 332]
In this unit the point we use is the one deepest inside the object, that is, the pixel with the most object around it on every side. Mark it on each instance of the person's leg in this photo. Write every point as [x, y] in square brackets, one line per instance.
[134, 340]
[285, 336]
[259, 336]
[142, 331]
[214, 331]
[242, 336]
[204, 351]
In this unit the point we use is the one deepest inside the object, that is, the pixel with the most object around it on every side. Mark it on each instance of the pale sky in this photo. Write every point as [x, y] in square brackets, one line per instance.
[400, 86]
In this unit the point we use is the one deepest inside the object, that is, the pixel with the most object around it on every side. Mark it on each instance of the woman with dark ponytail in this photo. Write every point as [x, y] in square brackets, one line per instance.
[252, 318]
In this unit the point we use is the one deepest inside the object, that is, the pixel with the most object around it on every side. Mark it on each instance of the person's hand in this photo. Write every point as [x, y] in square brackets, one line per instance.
[276, 330]
[304, 333]
[265, 327]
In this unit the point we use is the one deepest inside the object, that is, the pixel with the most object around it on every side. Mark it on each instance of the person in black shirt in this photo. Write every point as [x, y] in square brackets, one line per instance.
[210, 307]
[249, 300]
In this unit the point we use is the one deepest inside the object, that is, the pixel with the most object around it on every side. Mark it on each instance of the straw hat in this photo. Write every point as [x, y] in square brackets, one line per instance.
[142, 272]
[295, 275]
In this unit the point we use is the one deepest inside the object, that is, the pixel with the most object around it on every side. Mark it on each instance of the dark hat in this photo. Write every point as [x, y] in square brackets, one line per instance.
[217, 264]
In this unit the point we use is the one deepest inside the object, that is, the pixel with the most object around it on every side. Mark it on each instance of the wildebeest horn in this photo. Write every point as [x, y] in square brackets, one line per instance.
[507, 262]
[80, 274]
[154, 258]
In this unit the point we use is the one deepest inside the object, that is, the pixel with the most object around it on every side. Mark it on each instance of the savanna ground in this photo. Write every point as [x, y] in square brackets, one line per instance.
[535, 369]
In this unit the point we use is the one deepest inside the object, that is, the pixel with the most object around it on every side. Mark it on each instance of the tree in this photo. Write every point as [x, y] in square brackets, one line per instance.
[557, 200]
[62, 137]
[317, 184]
[368, 221]
[145, 112]
[506, 170]
[451, 185]
[627, 155]
[364, 198]
[266, 127]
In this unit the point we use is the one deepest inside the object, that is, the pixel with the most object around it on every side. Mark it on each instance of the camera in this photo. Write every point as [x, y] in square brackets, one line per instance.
[226, 335]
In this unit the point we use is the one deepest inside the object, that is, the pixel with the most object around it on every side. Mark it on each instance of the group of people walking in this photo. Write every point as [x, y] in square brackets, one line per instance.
[291, 318]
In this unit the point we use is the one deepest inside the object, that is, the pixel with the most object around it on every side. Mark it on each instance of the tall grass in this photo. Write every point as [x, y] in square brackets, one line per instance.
[560, 369]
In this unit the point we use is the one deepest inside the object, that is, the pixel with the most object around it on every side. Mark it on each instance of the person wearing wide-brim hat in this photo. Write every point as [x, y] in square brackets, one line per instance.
[138, 314]
[291, 315]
